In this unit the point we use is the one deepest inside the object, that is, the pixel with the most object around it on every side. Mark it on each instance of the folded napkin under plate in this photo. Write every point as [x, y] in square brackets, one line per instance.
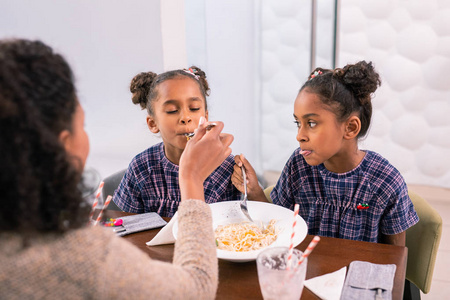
[139, 222]
[165, 235]
[369, 281]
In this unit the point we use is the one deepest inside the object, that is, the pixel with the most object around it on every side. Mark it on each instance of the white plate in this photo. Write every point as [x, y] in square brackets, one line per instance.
[230, 212]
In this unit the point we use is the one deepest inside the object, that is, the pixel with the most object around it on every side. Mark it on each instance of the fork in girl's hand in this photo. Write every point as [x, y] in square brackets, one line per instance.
[243, 202]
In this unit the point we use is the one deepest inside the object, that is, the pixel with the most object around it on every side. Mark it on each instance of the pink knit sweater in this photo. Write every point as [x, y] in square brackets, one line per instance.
[93, 263]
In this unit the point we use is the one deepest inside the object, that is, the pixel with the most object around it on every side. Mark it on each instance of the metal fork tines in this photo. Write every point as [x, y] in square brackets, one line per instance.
[243, 202]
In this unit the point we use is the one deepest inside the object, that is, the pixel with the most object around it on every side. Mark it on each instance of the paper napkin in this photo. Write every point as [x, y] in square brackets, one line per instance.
[165, 235]
[328, 286]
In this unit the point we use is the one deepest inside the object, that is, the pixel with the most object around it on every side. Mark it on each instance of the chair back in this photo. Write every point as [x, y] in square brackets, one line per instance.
[267, 192]
[111, 183]
[422, 241]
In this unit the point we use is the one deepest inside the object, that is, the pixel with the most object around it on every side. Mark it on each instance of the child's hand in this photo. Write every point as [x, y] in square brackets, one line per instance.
[254, 190]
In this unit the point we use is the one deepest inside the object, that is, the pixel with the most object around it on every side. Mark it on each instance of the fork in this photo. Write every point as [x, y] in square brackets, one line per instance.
[191, 134]
[243, 202]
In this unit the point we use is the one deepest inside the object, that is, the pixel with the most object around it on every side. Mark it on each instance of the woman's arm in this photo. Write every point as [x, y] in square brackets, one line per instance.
[194, 272]
[203, 154]
[127, 271]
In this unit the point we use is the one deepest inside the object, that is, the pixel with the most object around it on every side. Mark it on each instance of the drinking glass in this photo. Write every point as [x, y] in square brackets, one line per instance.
[90, 180]
[275, 280]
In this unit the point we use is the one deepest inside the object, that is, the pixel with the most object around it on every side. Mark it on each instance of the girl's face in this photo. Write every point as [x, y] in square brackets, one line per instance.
[177, 111]
[76, 141]
[320, 135]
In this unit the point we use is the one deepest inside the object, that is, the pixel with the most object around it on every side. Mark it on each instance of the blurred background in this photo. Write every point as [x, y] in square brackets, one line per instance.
[257, 54]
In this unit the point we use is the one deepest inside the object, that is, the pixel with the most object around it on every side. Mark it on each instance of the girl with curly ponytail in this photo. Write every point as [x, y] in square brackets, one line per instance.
[343, 191]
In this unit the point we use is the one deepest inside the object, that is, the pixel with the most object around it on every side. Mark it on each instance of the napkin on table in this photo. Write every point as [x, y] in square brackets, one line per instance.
[369, 281]
[139, 222]
[165, 235]
[328, 286]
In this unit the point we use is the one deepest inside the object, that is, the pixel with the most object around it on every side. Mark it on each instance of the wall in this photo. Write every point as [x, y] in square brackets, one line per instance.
[409, 44]
[222, 39]
[285, 65]
[256, 54]
[106, 42]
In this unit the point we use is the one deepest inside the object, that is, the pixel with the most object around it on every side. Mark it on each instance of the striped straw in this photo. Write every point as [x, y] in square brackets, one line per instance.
[99, 217]
[305, 254]
[309, 249]
[291, 246]
[97, 196]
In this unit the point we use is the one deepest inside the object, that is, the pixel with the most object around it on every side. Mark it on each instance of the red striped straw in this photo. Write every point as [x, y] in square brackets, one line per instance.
[305, 254]
[97, 196]
[309, 249]
[291, 246]
[99, 217]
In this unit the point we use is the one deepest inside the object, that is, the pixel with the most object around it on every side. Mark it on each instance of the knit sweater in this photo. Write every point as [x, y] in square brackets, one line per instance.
[92, 263]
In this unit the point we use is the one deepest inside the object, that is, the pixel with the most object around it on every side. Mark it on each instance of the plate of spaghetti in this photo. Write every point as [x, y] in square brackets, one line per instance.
[239, 240]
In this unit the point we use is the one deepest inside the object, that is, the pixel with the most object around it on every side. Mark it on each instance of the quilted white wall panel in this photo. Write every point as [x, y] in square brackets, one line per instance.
[409, 44]
[285, 65]
[285, 44]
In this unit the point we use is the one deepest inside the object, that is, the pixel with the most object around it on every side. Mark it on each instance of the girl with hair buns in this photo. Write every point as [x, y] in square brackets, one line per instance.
[342, 191]
[175, 103]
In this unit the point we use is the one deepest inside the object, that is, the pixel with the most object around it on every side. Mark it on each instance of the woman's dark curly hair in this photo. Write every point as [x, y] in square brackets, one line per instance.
[38, 182]
[144, 86]
[346, 91]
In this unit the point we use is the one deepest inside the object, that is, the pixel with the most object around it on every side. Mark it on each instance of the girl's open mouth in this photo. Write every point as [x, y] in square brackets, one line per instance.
[189, 135]
[305, 152]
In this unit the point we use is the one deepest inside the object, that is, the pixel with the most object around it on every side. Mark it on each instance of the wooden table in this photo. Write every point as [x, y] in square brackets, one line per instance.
[240, 280]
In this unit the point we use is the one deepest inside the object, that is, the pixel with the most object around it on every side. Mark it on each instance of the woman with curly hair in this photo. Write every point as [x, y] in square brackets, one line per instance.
[47, 251]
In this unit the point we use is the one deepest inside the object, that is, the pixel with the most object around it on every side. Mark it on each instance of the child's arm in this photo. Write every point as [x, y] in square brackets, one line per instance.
[254, 190]
[394, 239]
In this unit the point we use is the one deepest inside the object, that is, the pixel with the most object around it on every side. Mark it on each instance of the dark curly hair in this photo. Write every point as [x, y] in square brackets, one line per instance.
[346, 91]
[38, 184]
[144, 86]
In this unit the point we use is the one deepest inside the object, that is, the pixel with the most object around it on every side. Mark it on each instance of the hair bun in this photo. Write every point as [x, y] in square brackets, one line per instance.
[361, 78]
[201, 76]
[140, 86]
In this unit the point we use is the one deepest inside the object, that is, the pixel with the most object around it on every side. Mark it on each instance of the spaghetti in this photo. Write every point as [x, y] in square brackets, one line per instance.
[242, 237]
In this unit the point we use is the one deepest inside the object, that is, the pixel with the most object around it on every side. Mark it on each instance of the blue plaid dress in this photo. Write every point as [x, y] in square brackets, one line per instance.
[151, 184]
[329, 201]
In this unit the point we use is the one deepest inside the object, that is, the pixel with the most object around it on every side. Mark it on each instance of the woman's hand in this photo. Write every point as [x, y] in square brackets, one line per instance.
[254, 190]
[203, 154]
